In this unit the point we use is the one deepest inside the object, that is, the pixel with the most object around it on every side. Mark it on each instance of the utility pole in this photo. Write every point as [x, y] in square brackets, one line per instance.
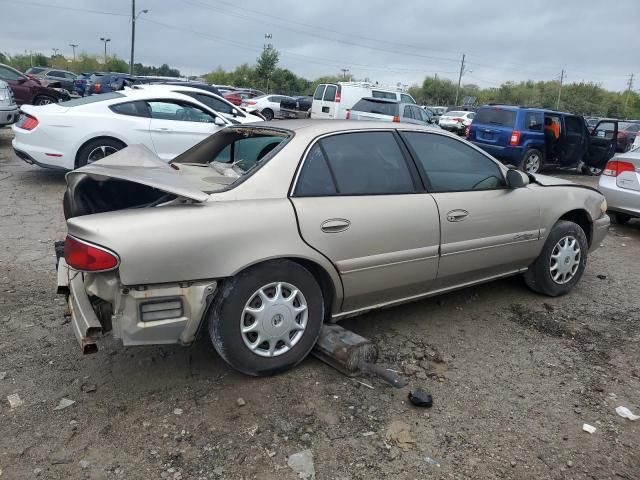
[105, 40]
[560, 89]
[626, 100]
[267, 45]
[460, 78]
[55, 51]
[344, 72]
[74, 46]
[134, 17]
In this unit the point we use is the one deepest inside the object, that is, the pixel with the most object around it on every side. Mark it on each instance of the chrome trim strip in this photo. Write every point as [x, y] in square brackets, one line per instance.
[400, 262]
[488, 247]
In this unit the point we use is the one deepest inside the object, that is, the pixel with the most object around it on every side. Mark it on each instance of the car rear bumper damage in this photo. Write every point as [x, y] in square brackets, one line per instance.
[138, 315]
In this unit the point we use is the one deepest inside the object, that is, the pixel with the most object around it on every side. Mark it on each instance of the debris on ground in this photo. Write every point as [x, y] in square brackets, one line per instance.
[15, 400]
[420, 398]
[64, 403]
[624, 412]
[241, 402]
[588, 428]
[84, 464]
[602, 277]
[3, 375]
[302, 464]
[431, 461]
[89, 388]
[177, 411]
[400, 433]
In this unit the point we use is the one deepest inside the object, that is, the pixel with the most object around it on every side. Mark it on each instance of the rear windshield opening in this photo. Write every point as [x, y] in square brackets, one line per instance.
[496, 116]
[236, 151]
[371, 106]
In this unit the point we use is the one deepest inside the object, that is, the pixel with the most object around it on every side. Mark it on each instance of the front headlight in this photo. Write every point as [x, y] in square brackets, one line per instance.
[4, 94]
[603, 206]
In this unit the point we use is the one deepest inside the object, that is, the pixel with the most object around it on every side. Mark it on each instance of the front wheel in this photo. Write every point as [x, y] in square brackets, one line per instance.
[44, 100]
[532, 161]
[562, 261]
[267, 319]
[268, 114]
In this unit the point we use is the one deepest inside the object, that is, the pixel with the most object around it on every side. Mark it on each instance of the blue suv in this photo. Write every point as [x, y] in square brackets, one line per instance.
[534, 138]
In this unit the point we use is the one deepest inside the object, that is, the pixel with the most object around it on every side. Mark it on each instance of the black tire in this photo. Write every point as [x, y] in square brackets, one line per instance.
[529, 160]
[267, 113]
[226, 314]
[87, 150]
[44, 100]
[538, 277]
[619, 218]
[592, 171]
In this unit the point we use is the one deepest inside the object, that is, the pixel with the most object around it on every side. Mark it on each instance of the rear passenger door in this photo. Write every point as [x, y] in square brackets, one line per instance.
[324, 101]
[359, 203]
[487, 229]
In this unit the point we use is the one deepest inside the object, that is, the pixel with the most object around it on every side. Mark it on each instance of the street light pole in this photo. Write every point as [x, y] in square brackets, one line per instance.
[55, 51]
[134, 17]
[105, 40]
[74, 45]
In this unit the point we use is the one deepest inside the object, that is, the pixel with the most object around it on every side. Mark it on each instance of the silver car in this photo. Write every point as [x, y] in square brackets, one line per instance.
[259, 234]
[8, 109]
[620, 184]
[386, 110]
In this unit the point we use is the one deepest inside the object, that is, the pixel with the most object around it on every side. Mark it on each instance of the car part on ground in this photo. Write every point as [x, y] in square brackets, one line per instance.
[282, 222]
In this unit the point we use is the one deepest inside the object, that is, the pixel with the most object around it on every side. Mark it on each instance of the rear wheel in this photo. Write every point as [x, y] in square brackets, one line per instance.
[267, 318]
[532, 161]
[268, 114]
[619, 218]
[562, 261]
[98, 149]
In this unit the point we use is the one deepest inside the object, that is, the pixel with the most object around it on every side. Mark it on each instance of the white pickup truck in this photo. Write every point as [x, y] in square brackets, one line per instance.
[8, 108]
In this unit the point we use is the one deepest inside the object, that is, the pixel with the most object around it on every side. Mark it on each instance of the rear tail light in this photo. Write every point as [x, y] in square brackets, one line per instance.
[459, 120]
[27, 122]
[348, 115]
[467, 132]
[338, 96]
[87, 257]
[250, 102]
[616, 167]
[396, 118]
[97, 87]
[515, 138]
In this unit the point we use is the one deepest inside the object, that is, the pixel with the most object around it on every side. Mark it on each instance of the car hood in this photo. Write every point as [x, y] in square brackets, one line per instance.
[549, 181]
[138, 164]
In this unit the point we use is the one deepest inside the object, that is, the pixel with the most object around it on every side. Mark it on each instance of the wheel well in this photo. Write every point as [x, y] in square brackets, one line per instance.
[580, 217]
[323, 278]
[107, 137]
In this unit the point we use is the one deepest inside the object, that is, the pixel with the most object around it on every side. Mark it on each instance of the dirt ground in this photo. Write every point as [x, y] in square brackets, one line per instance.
[514, 376]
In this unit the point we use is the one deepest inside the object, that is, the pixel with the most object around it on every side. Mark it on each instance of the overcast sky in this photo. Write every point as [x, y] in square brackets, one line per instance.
[388, 41]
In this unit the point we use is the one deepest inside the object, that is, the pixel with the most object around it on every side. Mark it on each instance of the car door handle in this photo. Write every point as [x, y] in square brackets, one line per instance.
[335, 225]
[457, 215]
[161, 129]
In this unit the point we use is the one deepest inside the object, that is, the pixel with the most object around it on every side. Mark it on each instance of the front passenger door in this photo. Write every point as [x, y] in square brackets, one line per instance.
[359, 203]
[602, 144]
[487, 229]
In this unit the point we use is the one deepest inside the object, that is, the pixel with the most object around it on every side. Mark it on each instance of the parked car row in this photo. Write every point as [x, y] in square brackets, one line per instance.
[32, 90]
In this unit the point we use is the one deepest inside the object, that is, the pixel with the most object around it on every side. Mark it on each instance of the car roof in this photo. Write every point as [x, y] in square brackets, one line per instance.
[320, 127]
[532, 109]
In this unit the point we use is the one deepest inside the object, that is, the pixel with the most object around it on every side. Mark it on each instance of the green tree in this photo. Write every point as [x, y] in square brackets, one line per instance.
[266, 66]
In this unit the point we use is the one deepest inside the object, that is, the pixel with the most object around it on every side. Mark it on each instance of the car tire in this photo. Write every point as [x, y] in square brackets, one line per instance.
[97, 149]
[231, 312]
[532, 161]
[267, 113]
[44, 100]
[593, 171]
[619, 218]
[561, 262]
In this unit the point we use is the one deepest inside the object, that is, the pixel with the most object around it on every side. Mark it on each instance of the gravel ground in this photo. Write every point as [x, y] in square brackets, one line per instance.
[514, 376]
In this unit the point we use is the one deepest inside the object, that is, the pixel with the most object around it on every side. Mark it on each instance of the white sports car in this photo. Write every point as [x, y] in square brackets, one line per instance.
[72, 134]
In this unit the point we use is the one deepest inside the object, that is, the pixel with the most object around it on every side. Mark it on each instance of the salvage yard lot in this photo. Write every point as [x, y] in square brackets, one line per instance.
[514, 376]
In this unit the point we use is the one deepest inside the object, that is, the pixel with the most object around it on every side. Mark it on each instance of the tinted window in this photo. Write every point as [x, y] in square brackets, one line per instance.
[330, 93]
[605, 130]
[178, 111]
[496, 116]
[380, 94]
[573, 125]
[315, 178]
[404, 98]
[533, 121]
[371, 106]
[367, 163]
[55, 73]
[9, 74]
[135, 109]
[318, 93]
[211, 102]
[452, 166]
[408, 112]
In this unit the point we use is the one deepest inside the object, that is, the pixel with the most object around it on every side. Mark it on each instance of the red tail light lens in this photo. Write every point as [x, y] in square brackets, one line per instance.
[97, 87]
[467, 133]
[396, 118]
[27, 122]
[86, 257]
[348, 115]
[515, 138]
[459, 120]
[616, 167]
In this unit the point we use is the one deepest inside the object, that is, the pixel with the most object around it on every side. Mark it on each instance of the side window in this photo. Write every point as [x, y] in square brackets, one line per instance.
[408, 112]
[177, 111]
[319, 92]
[330, 93]
[211, 102]
[8, 74]
[367, 163]
[605, 130]
[70, 76]
[418, 114]
[135, 109]
[533, 121]
[452, 166]
[404, 98]
[573, 125]
[315, 178]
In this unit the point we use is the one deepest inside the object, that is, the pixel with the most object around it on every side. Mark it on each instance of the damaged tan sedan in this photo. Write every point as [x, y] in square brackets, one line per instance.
[259, 234]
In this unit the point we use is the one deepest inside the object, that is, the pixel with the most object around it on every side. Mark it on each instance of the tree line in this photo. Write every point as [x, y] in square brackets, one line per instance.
[584, 98]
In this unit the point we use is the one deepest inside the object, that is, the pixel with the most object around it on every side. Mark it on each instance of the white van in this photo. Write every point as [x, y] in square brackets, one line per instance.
[332, 100]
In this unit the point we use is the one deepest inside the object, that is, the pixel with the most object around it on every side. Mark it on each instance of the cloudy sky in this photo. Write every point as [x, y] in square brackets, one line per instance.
[387, 41]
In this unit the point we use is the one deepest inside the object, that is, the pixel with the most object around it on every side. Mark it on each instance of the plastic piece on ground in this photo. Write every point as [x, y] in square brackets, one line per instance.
[420, 398]
[588, 428]
[624, 412]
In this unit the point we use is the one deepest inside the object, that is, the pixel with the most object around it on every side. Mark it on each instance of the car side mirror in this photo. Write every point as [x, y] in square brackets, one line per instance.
[219, 122]
[517, 179]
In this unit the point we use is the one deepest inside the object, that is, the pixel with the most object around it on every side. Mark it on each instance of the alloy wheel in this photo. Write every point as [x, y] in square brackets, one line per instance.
[532, 163]
[100, 152]
[565, 260]
[274, 319]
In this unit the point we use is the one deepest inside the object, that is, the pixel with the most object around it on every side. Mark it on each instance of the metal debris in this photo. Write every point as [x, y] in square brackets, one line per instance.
[64, 403]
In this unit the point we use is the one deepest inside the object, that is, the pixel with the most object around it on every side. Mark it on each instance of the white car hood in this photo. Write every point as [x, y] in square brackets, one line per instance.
[549, 181]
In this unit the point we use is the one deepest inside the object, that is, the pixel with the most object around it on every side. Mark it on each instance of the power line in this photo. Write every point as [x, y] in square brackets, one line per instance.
[59, 7]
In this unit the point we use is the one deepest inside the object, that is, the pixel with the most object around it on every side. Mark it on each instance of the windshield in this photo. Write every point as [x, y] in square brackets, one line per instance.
[234, 152]
[495, 116]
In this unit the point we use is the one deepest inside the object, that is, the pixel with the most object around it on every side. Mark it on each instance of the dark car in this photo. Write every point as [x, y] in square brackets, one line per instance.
[109, 82]
[533, 138]
[29, 91]
[237, 96]
[63, 77]
[81, 83]
[295, 107]
[627, 132]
